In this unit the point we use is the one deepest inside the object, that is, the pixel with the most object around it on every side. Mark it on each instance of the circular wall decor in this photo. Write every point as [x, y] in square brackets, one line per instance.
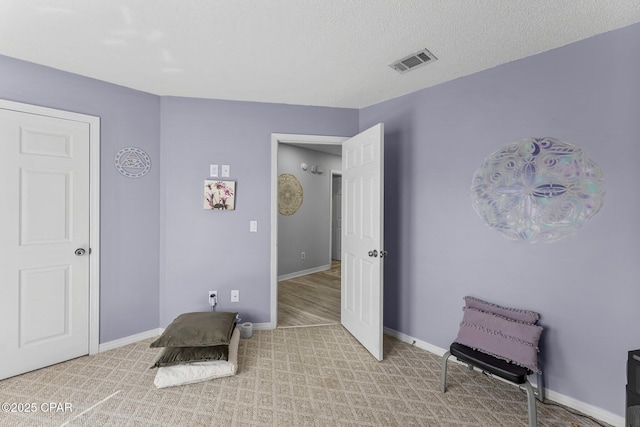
[538, 190]
[290, 194]
[132, 162]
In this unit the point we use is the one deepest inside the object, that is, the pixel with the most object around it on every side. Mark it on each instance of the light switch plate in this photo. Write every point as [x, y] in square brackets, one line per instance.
[253, 226]
[213, 170]
[226, 171]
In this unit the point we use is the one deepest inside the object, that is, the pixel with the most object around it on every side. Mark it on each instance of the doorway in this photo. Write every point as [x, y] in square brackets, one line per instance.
[312, 142]
[308, 276]
[312, 297]
[361, 283]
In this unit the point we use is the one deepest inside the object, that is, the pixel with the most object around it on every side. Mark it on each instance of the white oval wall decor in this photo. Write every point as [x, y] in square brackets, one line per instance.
[132, 162]
[538, 190]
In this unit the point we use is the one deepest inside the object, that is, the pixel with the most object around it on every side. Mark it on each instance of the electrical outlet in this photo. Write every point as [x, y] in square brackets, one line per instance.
[235, 295]
[213, 298]
[302, 255]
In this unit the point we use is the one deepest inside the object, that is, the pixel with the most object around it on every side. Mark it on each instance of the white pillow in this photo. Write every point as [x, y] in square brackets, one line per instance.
[169, 376]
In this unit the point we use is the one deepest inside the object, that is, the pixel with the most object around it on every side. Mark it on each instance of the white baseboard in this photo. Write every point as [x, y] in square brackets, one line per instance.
[414, 341]
[121, 342]
[304, 272]
[585, 408]
[262, 326]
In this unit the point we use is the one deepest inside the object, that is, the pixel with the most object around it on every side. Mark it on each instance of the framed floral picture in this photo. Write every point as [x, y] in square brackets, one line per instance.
[219, 195]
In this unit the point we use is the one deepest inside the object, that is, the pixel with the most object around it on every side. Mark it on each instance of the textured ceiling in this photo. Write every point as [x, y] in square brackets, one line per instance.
[309, 52]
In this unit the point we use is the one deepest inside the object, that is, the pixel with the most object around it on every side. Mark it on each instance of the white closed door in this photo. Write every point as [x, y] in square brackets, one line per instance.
[362, 237]
[44, 240]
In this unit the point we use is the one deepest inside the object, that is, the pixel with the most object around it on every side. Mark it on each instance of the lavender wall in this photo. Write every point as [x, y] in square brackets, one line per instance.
[585, 286]
[129, 229]
[206, 250]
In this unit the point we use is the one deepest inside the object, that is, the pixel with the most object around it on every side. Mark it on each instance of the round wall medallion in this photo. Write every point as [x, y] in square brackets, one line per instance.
[290, 194]
[132, 162]
[538, 190]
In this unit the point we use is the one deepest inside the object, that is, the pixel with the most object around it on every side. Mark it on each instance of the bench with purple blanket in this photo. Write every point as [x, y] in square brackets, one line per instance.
[500, 341]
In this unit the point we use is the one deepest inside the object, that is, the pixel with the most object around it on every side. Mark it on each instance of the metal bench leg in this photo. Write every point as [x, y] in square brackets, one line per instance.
[540, 388]
[531, 404]
[443, 372]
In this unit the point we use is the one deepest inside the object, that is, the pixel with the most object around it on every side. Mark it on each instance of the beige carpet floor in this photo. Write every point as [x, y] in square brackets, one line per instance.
[315, 376]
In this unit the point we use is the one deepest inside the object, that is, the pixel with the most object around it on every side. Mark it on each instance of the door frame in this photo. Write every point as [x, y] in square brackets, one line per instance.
[94, 205]
[333, 174]
[276, 139]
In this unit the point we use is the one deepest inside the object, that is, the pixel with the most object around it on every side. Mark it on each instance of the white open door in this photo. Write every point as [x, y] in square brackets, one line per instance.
[362, 237]
[44, 240]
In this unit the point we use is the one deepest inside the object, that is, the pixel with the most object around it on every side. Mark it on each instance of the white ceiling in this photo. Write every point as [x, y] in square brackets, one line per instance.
[309, 52]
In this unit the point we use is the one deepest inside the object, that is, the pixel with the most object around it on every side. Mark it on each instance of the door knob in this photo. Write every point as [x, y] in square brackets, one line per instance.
[373, 253]
[79, 252]
[383, 254]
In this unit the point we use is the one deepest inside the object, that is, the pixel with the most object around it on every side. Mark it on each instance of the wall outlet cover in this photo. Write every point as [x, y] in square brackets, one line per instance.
[213, 298]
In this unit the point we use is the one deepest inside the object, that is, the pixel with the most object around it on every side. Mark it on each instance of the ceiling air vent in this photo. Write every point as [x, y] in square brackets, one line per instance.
[413, 61]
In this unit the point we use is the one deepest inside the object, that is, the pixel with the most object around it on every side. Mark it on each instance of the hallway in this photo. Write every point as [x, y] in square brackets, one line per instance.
[309, 300]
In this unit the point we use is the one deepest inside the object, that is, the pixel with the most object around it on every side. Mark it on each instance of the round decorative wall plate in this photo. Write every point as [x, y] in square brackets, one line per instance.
[132, 162]
[290, 194]
[538, 190]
